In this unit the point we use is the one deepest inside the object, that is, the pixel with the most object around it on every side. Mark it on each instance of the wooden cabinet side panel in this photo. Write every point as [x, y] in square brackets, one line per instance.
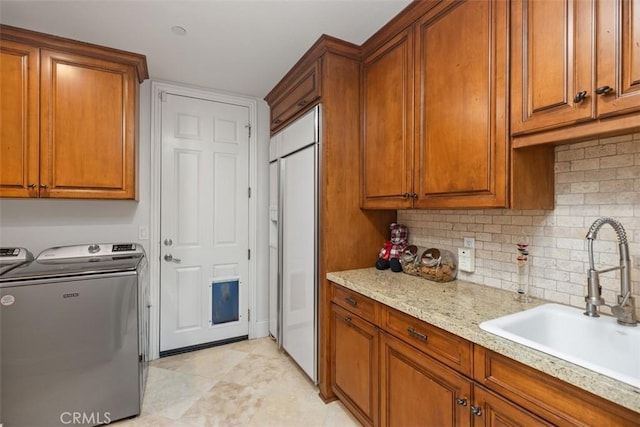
[461, 73]
[550, 398]
[532, 177]
[88, 113]
[387, 136]
[618, 53]
[19, 88]
[339, 212]
[415, 390]
[552, 61]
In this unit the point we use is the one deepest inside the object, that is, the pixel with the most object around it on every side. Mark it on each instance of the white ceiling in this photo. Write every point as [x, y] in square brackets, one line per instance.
[239, 46]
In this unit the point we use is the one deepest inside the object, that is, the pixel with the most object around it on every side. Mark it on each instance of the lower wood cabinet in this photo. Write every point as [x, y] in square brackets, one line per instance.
[491, 410]
[552, 399]
[354, 360]
[392, 369]
[415, 390]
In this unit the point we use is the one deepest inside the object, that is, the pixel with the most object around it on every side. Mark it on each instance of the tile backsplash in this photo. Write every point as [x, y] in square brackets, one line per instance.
[592, 179]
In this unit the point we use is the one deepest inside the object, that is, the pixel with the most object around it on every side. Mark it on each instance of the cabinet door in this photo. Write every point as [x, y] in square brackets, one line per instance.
[18, 120]
[387, 140]
[491, 410]
[355, 364]
[618, 57]
[551, 63]
[461, 70]
[415, 390]
[87, 130]
[299, 95]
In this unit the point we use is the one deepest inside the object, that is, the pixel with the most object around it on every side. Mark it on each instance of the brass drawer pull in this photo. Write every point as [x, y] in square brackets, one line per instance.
[351, 301]
[416, 334]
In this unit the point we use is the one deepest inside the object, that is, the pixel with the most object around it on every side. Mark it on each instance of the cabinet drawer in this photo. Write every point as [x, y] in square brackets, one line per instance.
[548, 397]
[355, 303]
[299, 95]
[447, 348]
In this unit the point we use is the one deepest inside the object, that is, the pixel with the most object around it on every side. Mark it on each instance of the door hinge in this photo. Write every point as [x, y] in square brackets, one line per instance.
[248, 315]
[249, 192]
[163, 96]
[248, 253]
[249, 127]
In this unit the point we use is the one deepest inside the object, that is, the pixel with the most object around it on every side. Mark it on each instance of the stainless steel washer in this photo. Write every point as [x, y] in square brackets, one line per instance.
[13, 257]
[74, 336]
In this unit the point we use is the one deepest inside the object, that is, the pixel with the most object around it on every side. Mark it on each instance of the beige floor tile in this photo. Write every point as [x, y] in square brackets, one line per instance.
[171, 393]
[248, 383]
[212, 362]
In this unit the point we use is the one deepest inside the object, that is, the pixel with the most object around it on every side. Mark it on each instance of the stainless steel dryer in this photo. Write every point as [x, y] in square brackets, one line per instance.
[74, 336]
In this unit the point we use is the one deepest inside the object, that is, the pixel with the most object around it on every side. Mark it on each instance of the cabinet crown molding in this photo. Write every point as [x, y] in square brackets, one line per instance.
[58, 43]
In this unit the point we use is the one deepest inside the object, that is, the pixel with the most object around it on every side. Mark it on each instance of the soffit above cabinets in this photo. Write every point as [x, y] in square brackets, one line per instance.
[237, 46]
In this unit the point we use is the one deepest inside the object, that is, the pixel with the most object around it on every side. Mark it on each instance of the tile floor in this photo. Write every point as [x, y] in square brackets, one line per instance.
[248, 383]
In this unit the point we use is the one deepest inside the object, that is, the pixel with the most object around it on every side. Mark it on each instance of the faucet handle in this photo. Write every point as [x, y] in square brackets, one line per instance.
[625, 311]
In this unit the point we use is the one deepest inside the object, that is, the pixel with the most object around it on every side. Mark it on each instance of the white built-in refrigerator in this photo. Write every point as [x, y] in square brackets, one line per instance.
[293, 236]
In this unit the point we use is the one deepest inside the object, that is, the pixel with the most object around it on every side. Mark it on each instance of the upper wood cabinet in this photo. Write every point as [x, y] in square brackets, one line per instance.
[301, 93]
[19, 148]
[618, 53]
[387, 96]
[438, 138]
[575, 69]
[74, 133]
[552, 57]
[462, 88]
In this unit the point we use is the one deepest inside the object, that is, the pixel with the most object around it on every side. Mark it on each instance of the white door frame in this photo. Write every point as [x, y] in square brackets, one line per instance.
[157, 87]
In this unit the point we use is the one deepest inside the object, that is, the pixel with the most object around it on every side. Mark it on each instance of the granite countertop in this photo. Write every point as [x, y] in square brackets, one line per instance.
[459, 307]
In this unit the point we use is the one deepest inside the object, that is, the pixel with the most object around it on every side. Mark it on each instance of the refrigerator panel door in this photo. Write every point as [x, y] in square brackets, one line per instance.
[299, 134]
[273, 250]
[298, 175]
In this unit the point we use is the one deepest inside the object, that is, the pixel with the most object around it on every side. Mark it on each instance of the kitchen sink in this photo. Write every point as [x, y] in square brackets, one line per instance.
[596, 343]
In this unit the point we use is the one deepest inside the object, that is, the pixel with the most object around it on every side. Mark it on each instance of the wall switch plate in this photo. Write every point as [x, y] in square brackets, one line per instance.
[469, 242]
[143, 233]
[467, 260]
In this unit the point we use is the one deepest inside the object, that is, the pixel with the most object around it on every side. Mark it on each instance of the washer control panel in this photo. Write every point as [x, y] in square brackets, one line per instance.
[90, 250]
[15, 255]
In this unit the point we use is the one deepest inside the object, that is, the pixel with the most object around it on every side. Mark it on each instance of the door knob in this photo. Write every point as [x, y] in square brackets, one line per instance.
[170, 258]
[168, 242]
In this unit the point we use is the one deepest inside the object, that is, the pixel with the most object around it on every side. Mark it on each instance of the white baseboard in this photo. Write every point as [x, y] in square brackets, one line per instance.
[261, 329]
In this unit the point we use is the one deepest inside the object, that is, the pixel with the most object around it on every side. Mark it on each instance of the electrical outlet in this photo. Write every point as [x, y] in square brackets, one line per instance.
[469, 242]
[467, 260]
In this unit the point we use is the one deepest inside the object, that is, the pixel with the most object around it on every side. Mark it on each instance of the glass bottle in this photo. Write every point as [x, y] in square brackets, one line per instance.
[522, 269]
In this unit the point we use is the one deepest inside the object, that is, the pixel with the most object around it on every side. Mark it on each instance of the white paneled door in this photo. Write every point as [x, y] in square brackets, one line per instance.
[204, 222]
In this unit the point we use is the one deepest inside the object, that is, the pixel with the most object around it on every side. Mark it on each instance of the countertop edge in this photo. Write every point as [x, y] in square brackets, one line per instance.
[377, 285]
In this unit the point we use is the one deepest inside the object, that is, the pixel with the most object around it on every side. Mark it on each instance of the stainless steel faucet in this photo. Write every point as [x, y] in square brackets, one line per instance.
[625, 310]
